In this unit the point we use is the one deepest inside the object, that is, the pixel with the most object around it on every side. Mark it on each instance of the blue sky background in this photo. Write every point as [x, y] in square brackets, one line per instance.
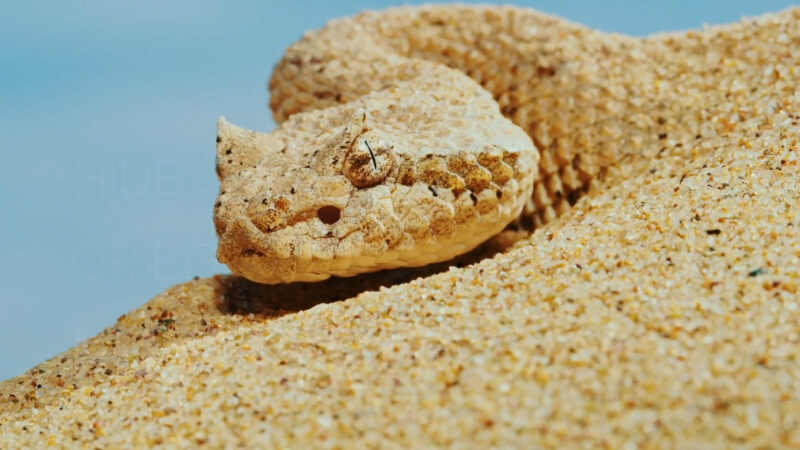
[107, 127]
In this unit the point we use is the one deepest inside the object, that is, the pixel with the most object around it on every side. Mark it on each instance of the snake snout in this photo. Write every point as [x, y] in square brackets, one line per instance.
[273, 214]
[269, 214]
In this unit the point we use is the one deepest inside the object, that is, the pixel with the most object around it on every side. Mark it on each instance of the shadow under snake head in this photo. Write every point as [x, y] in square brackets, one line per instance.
[348, 190]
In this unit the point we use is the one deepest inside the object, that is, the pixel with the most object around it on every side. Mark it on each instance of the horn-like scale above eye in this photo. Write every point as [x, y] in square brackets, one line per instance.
[368, 161]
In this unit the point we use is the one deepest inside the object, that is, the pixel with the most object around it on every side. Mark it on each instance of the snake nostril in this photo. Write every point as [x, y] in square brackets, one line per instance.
[329, 215]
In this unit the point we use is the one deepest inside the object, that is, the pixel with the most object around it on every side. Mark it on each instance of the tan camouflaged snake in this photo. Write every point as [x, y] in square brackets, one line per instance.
[407, 136]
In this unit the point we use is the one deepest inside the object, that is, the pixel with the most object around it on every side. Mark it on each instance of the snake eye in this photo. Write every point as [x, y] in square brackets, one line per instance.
[368, 161]
[329, 215]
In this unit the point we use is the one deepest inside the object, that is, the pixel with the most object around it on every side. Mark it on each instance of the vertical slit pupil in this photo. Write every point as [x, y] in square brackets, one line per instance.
[329, 215]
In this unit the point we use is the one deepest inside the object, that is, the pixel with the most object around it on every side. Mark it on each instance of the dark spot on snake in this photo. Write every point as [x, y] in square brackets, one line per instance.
[499, 193]
[329, 215]
[292, 190]
[218, 139]
[264, 201]
[433, 191]
[228, 151]
[322, 95]
[218, 204]
[545, 71]
[474, 198]
[662, 136]
[307, 167]
[573, 197]
[526, 222]
[251, 252]
[371, 154]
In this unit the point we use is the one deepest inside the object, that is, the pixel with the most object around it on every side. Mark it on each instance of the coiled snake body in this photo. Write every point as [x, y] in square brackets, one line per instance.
[410, 136]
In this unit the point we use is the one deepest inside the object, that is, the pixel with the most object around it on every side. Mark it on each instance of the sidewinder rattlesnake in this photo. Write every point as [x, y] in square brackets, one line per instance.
[409, 136]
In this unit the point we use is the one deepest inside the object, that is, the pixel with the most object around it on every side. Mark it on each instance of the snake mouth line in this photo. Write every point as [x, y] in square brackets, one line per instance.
[250, 252]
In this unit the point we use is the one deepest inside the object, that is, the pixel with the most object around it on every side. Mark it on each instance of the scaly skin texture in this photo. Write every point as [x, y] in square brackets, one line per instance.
[599, 108]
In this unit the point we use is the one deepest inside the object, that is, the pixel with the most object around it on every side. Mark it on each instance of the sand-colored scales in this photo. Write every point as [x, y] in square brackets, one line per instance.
[659, 311]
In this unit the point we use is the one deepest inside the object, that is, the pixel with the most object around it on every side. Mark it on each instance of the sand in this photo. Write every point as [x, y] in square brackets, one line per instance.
[661, 311]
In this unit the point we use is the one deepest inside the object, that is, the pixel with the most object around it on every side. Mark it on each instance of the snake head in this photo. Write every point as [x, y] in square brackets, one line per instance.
[396, 178]
[288, 201]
